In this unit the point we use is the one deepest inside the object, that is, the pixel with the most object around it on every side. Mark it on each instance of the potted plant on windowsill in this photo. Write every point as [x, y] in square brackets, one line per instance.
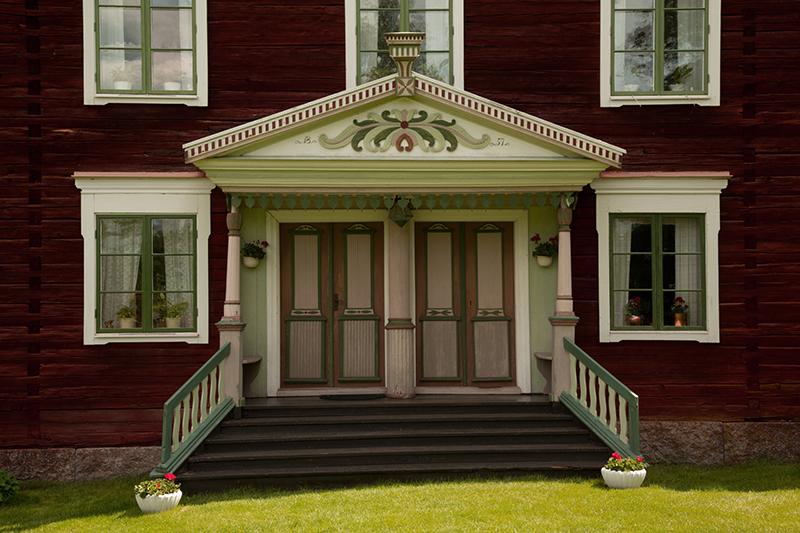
[676, 80]
[679, 310]
[544, 251]
[253, 252]
[127, 316]
[624, 472]
[173, 314]
[122, 78]
[156, 495]
[634, 315]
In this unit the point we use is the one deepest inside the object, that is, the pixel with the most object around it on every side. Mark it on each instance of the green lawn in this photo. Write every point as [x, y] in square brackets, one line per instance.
[755, 497]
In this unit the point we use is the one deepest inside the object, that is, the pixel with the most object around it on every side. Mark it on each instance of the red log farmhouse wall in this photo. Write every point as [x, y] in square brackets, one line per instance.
[269, 56]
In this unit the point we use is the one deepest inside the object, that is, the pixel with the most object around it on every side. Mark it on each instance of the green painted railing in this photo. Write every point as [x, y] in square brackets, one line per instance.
[602, 402]
[193, 412]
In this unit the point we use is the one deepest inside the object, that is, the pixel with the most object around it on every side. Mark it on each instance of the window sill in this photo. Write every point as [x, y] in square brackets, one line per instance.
[687, 99]
[192, 100]
[672, 335]
[187, 337]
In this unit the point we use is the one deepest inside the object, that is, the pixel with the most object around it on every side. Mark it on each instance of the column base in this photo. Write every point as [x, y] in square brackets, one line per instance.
[563, 327]
[400, 361]
[230, 331]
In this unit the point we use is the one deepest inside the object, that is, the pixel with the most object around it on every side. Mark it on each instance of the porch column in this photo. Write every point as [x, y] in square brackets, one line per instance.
[400, 363]
[564, 321]
[231, 326]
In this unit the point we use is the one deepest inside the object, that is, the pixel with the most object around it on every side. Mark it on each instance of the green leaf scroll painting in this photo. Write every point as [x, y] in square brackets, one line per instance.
[404, 129]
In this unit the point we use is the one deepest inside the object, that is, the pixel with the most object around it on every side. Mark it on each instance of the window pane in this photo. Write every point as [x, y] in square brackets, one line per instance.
[173, 310]
[683, 71]
[631, 235]
[633, 272]
[120, 27]
[383, 4]
[434, 65]
[633, 30]
[436, 25]
[120, 273]
[171, 28]
[692, 306]
[173, 71]
[684, 30]
[120, 236]
[687, 274]
[681, 235]
[633, 72]
[172, 235]
[633, 4]
[376, 65]
[429, 4]
[171, 3]
[122, 311]
[684, 3]
[121, 70]
[173, 273]
[633, 308]
[374, 26]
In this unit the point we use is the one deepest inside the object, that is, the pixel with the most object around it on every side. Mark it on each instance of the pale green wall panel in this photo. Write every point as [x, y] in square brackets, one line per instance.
[542, 286]
[254, 306]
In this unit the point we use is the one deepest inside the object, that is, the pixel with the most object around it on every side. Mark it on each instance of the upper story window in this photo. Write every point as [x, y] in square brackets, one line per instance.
[660, 51]
[152, 51]
[441, 56]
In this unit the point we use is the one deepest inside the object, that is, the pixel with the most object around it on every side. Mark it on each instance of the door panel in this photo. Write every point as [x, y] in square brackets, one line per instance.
[331, 304]
[465, 304]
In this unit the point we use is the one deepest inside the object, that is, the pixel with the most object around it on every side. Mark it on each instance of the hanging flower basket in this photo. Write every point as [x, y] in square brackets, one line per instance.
[544, 261]
[250, 262]
[544, 251]
[253, 252]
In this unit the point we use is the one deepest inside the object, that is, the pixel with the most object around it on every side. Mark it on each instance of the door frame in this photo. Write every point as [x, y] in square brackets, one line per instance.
[273, 273]
[522, 323]
[519, 217]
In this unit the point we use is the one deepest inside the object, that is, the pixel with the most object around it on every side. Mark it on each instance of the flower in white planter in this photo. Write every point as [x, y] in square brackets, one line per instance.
[624, 472]
[156, 495]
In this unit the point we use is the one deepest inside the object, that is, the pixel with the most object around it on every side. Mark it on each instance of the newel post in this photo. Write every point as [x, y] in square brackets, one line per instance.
[564, 320]
[231, 326]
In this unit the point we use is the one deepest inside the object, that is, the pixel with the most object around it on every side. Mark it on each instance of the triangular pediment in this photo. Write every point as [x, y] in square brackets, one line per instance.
[369, 122]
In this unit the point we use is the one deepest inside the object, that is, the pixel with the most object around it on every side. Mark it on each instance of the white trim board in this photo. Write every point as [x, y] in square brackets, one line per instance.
[143, 196]
[659, 195]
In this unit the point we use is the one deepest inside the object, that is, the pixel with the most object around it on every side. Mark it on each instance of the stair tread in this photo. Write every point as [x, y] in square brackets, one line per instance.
[396, 450]
[282, 404]
[395, 418]
[254, 473]
[399, 432]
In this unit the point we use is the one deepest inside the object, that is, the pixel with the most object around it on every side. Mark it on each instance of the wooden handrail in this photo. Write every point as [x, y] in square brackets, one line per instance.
[192, 412]
[602, 402]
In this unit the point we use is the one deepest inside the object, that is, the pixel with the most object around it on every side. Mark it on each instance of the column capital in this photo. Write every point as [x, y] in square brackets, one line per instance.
[234, 222]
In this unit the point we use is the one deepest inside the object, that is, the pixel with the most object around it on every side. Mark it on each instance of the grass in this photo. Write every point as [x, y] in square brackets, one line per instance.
[753, 497]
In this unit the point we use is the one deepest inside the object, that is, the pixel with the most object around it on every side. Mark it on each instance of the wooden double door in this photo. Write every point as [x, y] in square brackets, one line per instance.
[332, 305]
[465, 304]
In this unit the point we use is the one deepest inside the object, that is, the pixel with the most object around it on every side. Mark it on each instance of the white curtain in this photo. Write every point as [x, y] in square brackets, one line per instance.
[178, 268]
[687, 267]
[623, 229]
[119, 273]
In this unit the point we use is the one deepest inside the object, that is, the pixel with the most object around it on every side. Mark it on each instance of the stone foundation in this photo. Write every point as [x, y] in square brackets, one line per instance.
[718, 443]
[74, 464]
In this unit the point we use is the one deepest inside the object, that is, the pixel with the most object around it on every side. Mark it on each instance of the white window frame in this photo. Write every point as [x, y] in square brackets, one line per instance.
[92, 97]
[711, 98]
[660, 194]
[351, 43]
[143, 194]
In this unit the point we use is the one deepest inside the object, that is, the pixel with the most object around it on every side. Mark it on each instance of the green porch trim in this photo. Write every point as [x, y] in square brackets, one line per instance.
[292, 201]
[192, 413]
[593, 396]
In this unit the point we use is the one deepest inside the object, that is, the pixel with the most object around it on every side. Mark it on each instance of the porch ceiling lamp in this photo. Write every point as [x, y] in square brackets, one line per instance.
[404, 49]
[400, 212]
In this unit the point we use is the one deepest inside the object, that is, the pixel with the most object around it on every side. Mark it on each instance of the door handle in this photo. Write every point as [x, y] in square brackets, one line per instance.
[336, 302]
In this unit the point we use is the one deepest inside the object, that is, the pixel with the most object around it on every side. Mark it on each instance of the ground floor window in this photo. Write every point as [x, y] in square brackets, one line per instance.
[146, 272]
[657, 279]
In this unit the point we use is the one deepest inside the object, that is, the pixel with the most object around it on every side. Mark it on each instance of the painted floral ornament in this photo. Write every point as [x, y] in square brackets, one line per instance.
[404, 130]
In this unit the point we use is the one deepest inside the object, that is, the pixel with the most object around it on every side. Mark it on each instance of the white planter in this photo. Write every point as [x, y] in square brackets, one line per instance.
[127, 323]
[623, 480]
[250, 262]
[172, 86]
[123, 85]
[173, 323]
[544, 261]
[156, 504]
